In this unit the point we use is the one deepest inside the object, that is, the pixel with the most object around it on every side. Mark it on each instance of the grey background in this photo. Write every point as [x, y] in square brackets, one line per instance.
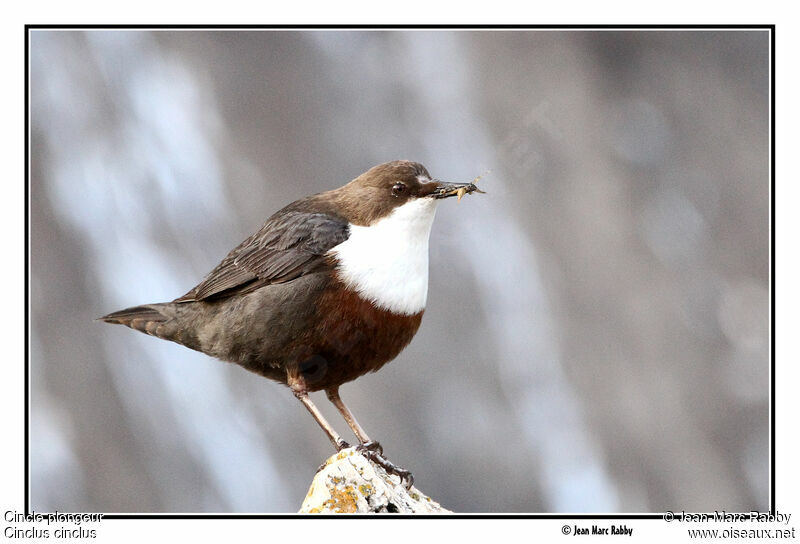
[597, 331]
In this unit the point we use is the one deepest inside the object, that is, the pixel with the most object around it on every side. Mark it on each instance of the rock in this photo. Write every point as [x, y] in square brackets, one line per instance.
[349, 483]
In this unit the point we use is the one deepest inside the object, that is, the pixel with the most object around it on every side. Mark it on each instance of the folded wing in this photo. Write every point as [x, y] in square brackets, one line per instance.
[289, 245]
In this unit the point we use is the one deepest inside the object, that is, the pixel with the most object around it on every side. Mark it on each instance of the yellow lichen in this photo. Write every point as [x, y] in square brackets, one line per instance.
[342, 454]
[310, 491]
[337, 457]
[342, 501]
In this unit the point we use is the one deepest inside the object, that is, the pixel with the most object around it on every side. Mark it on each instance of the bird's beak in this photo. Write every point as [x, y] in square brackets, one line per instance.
[444, 190]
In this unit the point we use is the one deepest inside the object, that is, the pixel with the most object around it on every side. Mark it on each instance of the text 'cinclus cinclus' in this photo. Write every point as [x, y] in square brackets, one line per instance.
[331, 287]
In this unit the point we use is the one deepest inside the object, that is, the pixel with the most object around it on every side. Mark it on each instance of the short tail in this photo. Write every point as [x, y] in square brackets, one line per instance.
[165, 320]
[142, 318]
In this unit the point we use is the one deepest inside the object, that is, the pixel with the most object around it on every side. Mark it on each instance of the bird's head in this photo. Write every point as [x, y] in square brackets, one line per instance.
[402, 188]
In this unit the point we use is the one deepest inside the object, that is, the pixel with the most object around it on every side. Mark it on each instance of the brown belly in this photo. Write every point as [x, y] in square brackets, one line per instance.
[352, 337]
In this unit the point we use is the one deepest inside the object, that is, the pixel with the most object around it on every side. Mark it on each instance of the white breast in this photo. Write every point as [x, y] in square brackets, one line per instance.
[387, 262]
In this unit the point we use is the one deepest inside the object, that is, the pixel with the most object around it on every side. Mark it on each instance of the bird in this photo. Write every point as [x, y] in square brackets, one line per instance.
[331, 287]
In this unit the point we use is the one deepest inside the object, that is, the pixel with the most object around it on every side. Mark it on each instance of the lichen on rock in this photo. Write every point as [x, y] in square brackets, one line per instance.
[349, 483]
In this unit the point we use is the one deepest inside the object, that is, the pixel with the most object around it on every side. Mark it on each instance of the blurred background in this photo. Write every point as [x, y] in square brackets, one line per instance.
[597, 331]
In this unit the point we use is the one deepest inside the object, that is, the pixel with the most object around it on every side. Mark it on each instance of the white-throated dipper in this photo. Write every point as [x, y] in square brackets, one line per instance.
[331, 287]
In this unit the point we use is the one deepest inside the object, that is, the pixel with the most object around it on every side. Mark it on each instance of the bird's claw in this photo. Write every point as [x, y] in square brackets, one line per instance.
[376, 456]
[372, 445]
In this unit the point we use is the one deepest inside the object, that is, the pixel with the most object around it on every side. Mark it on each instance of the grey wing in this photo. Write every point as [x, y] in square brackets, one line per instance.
[288, 246]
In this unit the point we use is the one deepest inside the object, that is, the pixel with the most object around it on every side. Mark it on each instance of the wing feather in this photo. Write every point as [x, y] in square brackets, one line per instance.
[289, 245]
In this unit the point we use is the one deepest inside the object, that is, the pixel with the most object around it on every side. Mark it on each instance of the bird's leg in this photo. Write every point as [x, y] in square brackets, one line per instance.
[299, 390]
[369, 448]
[365, 441]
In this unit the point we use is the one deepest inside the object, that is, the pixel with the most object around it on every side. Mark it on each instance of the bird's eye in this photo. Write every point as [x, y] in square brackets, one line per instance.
[398, 189]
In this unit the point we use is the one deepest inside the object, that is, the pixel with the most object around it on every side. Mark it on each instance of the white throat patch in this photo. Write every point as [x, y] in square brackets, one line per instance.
[387, 262]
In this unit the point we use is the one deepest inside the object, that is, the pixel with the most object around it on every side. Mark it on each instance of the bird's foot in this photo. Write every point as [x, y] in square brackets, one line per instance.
[374, 452]
[372, 445]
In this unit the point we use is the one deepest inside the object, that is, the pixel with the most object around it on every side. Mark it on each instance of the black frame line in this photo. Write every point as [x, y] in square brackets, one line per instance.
[29, 27]
[26, 256]
[400, 27]
[773, 507]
